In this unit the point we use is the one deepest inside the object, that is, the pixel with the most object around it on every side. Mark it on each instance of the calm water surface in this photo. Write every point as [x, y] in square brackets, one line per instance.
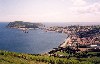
[36, 41]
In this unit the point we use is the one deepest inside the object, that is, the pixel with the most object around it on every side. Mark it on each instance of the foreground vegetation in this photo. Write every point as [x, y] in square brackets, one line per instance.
[16, 58]
[21, 58]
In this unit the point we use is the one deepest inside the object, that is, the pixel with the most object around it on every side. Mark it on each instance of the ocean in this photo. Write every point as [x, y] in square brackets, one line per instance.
[35, 42]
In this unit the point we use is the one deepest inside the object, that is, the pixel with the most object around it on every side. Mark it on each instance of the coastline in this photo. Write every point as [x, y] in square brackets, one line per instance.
[79, 38]
[74, 38]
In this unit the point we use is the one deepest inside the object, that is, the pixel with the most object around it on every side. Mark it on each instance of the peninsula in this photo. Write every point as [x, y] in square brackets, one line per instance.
[21, 24]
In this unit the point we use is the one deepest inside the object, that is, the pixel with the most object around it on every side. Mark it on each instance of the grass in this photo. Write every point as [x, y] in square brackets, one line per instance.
[14, 58]
[7, 57]
[62, 53]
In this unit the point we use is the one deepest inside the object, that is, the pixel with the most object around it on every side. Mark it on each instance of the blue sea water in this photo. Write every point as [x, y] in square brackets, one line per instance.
[34, 42]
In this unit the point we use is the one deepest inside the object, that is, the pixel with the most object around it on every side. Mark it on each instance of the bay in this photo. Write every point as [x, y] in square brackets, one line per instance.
[34, 42]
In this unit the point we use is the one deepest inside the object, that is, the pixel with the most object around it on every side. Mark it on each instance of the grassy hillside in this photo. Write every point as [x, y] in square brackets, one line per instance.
[21, 58]
[16, 58]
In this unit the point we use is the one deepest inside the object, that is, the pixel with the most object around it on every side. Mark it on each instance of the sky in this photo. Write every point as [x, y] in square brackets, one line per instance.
[50, 10]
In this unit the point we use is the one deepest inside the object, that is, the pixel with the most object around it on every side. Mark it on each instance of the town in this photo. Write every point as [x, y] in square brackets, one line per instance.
[80, 39]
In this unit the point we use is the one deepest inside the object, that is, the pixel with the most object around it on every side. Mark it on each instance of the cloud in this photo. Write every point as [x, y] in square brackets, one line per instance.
[85, 11]
[79, 2]
[83, 7]
[94, 8]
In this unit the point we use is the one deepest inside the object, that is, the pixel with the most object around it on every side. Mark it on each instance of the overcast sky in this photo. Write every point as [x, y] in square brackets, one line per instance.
[50, 10]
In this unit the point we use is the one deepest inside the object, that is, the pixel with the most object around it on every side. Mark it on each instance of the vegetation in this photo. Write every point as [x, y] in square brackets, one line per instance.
[21, 24]
[62, 53]
[22, 58]
[16, 58]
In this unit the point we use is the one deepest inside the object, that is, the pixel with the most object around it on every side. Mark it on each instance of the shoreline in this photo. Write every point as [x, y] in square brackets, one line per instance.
[75, 37]
[75, 34]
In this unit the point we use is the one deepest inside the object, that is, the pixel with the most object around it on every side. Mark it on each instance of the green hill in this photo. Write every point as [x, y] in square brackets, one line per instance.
[17, 58]
[21, 24]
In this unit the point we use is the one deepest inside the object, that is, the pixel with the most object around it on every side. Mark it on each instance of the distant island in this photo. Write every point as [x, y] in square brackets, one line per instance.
[24, 26]
[21, 24]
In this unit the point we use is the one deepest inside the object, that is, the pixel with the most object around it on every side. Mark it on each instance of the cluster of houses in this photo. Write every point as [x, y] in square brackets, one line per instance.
[80, 38]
